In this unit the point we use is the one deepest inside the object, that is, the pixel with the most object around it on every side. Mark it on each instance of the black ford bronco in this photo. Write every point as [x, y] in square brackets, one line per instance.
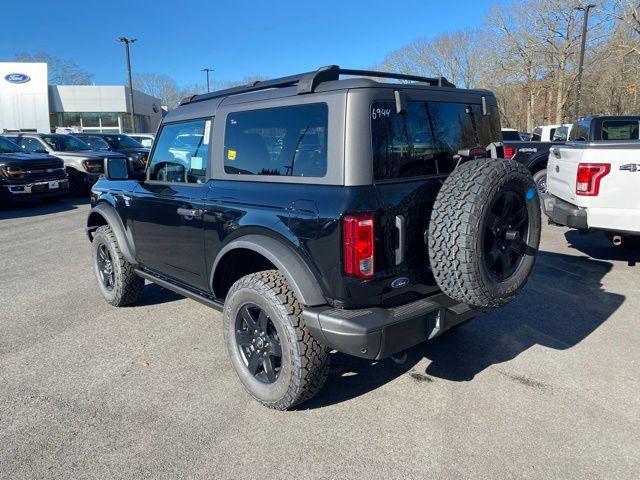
[321, 213]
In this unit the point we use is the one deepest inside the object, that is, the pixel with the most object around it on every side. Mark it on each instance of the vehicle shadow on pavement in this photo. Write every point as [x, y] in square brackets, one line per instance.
[563, 303]
[156, 295]
[597, 245]
[46, 207]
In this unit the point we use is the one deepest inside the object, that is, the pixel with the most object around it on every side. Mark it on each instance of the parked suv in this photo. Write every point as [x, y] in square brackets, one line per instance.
[82, 163]
[119, 143]
[321, 213]
[26, 176]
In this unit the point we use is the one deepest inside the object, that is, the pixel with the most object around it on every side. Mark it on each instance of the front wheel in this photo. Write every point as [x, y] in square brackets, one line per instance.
[275, 357]
[118, 282]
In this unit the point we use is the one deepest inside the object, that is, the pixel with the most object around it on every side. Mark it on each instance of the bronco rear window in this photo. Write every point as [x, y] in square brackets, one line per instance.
[424, 140]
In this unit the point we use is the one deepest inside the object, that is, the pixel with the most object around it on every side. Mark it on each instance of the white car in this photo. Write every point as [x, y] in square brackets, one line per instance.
[593, 184]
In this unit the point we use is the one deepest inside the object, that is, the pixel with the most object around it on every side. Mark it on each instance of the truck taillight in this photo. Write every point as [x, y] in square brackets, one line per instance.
[509, 152]
[589, 176]
[358, 239]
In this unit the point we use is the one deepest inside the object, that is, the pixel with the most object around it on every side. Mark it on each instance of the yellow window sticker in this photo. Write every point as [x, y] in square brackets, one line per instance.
[231, 154]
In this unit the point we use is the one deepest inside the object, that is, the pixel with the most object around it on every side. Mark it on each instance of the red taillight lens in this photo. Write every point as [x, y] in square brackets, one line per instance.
[589, 176]
[358, 245]
[509, 152]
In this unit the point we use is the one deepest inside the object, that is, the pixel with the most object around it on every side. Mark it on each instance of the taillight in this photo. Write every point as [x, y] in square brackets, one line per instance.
[358, 245]
[589, 176]
[509, 152]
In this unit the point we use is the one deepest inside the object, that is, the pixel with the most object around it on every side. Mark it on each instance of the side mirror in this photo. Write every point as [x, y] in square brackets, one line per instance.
[116, 168]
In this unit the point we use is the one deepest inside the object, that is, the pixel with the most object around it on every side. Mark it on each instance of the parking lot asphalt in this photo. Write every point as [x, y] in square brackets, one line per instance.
[548, 387]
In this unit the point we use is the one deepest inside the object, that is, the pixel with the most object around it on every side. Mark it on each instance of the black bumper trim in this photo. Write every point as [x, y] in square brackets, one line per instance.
[376, 333]
[564, 213]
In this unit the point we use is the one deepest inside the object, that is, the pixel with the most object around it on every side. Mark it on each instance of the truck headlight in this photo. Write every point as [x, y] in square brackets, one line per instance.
[93, 166]
[13, 172]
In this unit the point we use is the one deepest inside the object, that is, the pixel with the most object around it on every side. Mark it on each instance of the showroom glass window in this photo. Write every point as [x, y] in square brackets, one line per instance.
[181, 153]
[425, 139]
[283, 141]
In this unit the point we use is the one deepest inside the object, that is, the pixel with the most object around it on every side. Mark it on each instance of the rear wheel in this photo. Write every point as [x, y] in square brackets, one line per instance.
[540, 179]
[484, 232]
[275, 357]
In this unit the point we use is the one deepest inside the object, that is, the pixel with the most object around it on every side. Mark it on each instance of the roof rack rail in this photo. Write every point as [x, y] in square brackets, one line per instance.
[308, 81]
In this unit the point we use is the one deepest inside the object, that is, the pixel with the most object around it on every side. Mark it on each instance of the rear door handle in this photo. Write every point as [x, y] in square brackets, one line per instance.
[400, 221]
[191, 212]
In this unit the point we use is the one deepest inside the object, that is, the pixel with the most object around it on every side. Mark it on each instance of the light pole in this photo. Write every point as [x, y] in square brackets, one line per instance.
[126, 42]
[576, 105]
[207, 70]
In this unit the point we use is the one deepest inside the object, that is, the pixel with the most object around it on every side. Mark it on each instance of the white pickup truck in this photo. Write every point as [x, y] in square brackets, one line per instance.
[593, 182]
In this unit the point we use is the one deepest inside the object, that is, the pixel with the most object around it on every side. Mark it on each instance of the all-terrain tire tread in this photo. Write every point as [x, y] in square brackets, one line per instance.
[130, 286]
[313, 357]
[453, 229]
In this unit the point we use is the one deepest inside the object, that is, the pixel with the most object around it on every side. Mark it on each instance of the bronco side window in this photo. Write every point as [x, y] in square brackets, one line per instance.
[182, 153]
[283, 141]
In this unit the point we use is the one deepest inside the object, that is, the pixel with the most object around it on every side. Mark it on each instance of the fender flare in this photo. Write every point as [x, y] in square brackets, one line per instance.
[536, 160]
[292, 266]
[106, 211]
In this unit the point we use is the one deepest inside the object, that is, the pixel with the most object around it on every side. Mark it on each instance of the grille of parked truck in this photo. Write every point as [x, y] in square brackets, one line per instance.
[25, 176]
[318, 213]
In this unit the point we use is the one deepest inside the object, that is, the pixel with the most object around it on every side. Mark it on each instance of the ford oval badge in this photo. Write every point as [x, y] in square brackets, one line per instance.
[399, 282]
[17, 78]
[557, 168]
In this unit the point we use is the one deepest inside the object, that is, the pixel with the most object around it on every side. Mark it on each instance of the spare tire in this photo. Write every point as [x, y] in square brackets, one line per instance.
[484, 232]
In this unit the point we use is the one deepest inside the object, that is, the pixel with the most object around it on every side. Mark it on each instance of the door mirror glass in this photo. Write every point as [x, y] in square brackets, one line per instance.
[116, 168]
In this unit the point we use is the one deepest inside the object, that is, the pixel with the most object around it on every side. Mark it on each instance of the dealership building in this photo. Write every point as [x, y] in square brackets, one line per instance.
[29, 104]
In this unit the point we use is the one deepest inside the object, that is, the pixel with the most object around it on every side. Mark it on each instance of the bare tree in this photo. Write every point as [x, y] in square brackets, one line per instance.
[160, 86]
[455, 56]
[61, 71]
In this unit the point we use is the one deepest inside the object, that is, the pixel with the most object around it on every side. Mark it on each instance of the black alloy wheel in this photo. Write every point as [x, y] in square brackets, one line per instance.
[105, 267]
[505, 234]
[258, 343]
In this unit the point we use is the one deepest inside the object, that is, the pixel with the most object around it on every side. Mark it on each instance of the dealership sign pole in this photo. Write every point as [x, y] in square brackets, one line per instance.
[126, 42]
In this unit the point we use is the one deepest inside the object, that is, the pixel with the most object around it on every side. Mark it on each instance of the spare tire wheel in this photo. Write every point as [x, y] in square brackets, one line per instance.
[484, 232]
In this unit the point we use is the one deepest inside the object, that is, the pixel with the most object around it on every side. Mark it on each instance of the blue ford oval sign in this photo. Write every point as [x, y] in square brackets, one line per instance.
[17, 78]
[400, 282]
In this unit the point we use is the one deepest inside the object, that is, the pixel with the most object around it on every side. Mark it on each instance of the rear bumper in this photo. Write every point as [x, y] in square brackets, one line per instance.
[376, 333]
[564, 213]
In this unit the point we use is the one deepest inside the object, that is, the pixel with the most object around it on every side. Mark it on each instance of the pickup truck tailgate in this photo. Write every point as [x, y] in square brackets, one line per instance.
[617, 204]
[562, 169]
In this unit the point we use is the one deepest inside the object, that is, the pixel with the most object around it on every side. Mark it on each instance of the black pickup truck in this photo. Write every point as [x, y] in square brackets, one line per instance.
[25, 176]
[532, 155]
